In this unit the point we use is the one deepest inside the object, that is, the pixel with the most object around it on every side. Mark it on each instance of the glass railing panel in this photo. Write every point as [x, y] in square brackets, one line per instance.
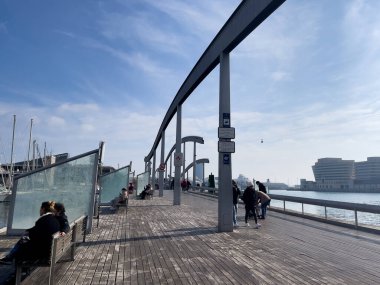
[71, 183]
[142, 181]
[112, 183]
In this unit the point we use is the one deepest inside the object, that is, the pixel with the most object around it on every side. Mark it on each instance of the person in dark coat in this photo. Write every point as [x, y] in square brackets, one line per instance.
[60, 214]
[145, 191]
[249, 198]
[36, 243]
[261, 186]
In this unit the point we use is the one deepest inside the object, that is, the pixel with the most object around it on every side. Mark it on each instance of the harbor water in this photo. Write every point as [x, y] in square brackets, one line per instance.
[339, 214]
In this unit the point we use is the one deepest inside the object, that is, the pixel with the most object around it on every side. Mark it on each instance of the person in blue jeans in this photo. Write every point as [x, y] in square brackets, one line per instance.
[235, 199]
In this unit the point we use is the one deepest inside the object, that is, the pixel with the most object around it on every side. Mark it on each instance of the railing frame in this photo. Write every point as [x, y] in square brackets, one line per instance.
[355, 207]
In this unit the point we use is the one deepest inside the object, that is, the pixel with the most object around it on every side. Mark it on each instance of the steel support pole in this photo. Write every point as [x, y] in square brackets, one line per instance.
[154, 170]
[225, 169]
[184, 161]
[177, 168]
[170, 171]
[166, 173]
[161, 173]
[203, 177]
[194, 164]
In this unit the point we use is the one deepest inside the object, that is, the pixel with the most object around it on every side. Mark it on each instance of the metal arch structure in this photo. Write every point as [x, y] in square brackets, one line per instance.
[198, 161]
[184, 140]
[247, 17]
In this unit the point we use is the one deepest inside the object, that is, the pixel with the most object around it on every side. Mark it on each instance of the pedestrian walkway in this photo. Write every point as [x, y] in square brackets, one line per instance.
[158, 243]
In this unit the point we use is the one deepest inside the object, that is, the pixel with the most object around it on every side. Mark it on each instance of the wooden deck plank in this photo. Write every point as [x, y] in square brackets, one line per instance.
[158, 243]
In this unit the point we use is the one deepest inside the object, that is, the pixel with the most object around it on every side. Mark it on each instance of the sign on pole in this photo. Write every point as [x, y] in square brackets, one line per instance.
[161, 167]
[178, 159]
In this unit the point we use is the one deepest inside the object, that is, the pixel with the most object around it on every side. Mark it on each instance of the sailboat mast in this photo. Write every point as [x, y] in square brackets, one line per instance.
[30, 139]
[13, 140]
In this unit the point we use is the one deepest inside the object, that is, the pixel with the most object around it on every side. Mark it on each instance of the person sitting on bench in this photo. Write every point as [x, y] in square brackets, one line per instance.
[36, 242]
[121, 199]
[146, 190]
[60, 214]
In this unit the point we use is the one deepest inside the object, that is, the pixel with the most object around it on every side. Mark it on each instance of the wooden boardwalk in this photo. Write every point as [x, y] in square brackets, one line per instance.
[158, 243]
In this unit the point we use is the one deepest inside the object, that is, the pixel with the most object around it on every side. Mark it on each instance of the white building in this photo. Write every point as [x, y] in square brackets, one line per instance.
[336, 174]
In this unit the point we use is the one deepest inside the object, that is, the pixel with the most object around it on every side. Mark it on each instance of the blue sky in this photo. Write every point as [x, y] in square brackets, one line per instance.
[306, 81]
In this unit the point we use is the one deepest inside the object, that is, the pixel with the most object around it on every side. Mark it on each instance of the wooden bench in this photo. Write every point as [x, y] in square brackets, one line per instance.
[60, 246]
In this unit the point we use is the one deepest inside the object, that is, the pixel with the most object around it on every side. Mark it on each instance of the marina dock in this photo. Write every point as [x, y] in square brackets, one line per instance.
[154, 242]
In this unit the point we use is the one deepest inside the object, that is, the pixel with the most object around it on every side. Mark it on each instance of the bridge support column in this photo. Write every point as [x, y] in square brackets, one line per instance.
[225, 169]
[161, 173]
[195, 165]
[154, 170]
[177, 166]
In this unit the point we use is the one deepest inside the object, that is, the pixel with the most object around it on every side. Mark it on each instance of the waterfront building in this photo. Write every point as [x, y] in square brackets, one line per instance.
[368, 171]
[336, 174]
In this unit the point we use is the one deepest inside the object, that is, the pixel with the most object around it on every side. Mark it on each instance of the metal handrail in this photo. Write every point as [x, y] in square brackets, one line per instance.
[355, 207]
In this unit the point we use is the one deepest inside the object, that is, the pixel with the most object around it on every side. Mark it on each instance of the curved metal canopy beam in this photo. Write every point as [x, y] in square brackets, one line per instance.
[202, 160]
[185, 139]
[247, 16]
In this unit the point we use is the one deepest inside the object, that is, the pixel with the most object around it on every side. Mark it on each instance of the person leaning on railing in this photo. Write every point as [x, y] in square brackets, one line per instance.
[36, 242]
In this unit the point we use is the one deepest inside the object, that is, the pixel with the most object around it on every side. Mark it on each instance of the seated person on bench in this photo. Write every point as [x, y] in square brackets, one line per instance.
[121, 199]
[60, 214]
[36, 242]
[145, 191]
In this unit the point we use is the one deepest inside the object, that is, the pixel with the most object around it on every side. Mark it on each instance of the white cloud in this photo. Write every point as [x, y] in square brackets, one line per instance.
[75, 108]
[56, 122]
[280, 76]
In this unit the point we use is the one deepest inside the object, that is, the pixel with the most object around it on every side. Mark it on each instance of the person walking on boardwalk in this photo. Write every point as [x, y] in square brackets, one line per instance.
[235, 198]
[265, 202]
[249, 198]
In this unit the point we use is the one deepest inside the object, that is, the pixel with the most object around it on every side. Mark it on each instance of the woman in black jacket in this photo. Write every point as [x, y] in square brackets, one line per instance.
[36, 243]
[60, 214]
